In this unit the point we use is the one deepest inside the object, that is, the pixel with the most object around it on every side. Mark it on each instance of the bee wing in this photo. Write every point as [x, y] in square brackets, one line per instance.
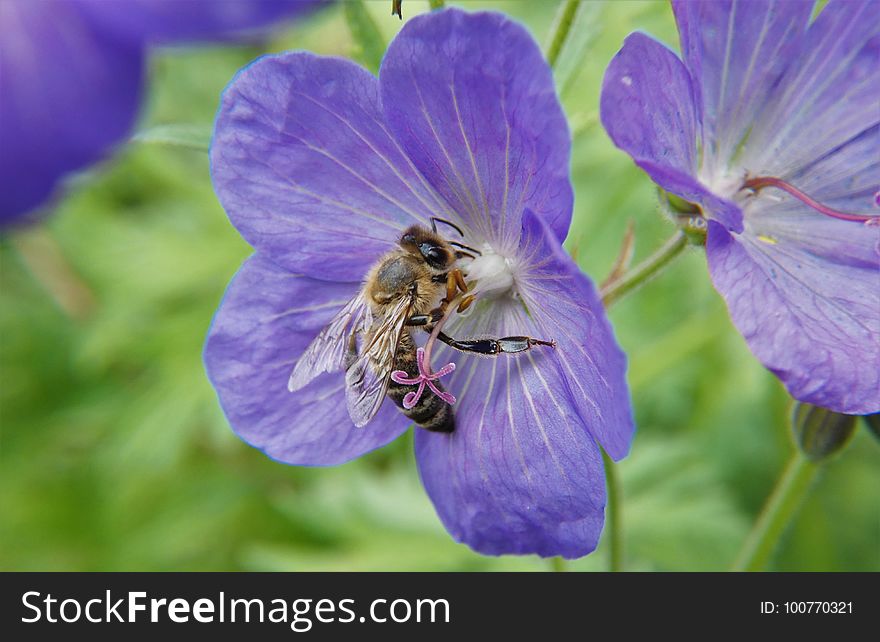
[327, 352]
[366, 380]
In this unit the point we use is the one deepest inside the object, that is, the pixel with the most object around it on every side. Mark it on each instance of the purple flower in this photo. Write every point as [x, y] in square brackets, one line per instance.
[71, 73]
[321, 167]
[771, 125]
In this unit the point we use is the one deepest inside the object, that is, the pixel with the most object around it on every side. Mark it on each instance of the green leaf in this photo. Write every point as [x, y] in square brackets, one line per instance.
[584, 29]
[677, 512]
[197, 137]
[369, 43]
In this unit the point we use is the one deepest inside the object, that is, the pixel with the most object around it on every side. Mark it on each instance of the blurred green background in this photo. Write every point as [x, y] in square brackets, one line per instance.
[115, 454]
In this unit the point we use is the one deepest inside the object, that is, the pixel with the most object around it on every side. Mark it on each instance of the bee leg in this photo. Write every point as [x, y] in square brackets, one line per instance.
[451, 286]
[454, 282]
[426, 319]
[466, 303]
[492, 347]
[459, 280]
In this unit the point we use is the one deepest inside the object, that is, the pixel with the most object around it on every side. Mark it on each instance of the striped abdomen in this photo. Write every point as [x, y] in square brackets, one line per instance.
[430, 412]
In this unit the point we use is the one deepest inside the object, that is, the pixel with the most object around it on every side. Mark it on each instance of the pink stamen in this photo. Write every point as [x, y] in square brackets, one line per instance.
[425, 377]
[760, 182]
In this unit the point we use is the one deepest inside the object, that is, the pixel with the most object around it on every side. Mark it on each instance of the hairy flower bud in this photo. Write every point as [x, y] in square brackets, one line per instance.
[686, 215]
[820, 432]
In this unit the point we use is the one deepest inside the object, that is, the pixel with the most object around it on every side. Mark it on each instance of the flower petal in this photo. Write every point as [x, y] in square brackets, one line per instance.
[566, 307]
[846, 180]
[176, 20]
[522, 472]
[647, 107]
[472, 101]
[68, 93]
[264, 323]
[809, 311]
[828, 95]
[306, 170]
[735, 51]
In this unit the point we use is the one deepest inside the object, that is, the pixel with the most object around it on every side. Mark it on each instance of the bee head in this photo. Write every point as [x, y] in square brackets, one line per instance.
[429, 246]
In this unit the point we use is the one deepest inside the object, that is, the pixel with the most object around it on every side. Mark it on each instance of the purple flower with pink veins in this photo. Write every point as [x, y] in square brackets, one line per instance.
[415, 214]
[770, 124]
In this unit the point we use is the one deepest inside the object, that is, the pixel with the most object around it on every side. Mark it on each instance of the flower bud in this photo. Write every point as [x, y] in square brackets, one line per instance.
[687, 216]
[820, 432]
[677, 206]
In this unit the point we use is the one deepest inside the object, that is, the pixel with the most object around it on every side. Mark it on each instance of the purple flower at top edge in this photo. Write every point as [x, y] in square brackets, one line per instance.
[71, 75]
[771, 125]
[321, 167]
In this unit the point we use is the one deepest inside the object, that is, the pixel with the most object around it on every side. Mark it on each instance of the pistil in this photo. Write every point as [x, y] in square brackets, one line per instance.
[425, 377]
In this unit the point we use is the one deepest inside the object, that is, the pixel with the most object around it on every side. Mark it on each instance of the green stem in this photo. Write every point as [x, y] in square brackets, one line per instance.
[558, 565]
[183, 135]
[370, 45]
[614, 527]
[436, 4]
[633, 278]
[781, 506]
[564, 20]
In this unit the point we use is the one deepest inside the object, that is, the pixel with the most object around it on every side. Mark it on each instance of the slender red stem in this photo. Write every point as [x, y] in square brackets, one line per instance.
[759, 182]
[429, 346]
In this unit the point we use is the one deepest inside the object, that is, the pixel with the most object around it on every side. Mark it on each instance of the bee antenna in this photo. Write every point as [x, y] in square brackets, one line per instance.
[466, 247]
[436, 219]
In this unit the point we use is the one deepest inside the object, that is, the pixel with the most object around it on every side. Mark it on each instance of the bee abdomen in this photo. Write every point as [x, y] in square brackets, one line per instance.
[430, 412]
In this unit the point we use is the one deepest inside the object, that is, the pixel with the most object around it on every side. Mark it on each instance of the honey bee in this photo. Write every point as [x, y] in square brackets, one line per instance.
[410, 287]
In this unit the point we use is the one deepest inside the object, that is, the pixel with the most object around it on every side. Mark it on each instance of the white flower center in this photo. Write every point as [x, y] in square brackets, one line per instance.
[726, 183]
[492, 272]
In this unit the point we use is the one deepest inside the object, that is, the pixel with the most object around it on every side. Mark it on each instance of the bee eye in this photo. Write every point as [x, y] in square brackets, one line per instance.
[433, 254]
